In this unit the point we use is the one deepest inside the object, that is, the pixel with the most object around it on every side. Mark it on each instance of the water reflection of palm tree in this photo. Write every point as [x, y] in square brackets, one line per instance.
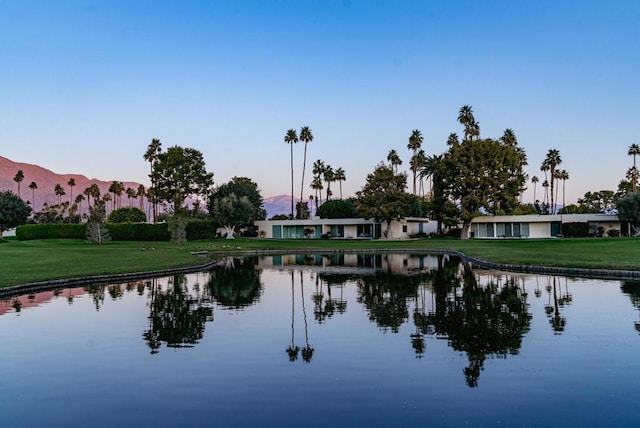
[307, 351]
[292, 350]
[557, 321]
[632, 288]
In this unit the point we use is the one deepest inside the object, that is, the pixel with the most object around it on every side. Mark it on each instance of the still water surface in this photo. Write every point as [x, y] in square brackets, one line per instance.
[355, 340]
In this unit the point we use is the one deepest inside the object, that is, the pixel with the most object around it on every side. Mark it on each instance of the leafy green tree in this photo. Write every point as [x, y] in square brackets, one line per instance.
[97, 231]
[602, 201]
[291, 137]
[483, 174]
[13, 211]
[241, 186]
[629, 209]
[383, 197]
[306, 137]
[19, 177]
[231, 211]
[178, 173]
[127, 215]
[338, 209]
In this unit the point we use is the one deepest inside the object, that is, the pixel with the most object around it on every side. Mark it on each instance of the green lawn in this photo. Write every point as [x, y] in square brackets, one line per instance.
[30, 261]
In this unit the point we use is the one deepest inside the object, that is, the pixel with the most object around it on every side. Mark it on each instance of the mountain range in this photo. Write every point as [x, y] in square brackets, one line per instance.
[46, 180]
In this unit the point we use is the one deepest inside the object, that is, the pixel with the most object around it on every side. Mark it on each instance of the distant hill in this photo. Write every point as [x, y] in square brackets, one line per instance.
[46, 181]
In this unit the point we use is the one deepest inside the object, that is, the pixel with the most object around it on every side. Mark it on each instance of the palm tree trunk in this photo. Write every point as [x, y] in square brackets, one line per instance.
[292, 180]
[304, 167]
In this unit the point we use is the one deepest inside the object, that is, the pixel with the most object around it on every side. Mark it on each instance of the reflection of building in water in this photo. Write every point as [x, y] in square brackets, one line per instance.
[354, 263]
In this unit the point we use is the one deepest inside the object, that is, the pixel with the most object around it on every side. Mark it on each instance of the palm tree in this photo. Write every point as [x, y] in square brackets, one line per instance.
[140, 194]
[428, 168]
[78, 201]
[632, 174]
[509, 138]
[151, 155]
[130, 195]
[545, 186]
[415, 142]
[564, 176]
[466, 119]
[59, 191]
[552, 160]
[394, 160]
[453, 141]
[535, 181]
[316, 185]
[329, 177]
[33, 186]
[291, 138]
[634, 150]
[340, 176]
[71, 183]
[306, 137]
[18, 179]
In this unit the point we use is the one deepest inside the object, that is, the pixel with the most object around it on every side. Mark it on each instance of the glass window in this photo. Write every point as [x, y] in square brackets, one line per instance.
[524, 229]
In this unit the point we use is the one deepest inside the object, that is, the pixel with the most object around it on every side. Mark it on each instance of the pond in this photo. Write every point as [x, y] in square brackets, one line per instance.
[341, 340]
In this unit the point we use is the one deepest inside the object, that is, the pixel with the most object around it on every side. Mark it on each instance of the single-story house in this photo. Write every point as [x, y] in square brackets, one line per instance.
[539, 226]
[341, 228]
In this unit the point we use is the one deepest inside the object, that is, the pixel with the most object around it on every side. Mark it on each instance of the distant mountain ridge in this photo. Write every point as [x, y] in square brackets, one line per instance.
[46, 181]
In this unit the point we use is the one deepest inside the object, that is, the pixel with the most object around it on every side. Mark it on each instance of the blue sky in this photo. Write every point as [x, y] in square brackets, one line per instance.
[86, 85]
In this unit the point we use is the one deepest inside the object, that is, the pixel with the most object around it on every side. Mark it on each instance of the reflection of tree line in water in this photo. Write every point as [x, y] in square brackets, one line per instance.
[482, 320]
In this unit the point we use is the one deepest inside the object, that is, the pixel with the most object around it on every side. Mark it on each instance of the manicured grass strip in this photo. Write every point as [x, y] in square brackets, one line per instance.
[23, 262]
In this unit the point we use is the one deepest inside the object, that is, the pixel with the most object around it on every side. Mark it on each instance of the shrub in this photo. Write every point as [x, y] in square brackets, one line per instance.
[575, 230]
[200, 229]
[127, 215]
[51, 231]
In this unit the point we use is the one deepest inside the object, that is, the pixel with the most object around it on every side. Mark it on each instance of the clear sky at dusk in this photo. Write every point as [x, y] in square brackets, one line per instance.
[86, 85]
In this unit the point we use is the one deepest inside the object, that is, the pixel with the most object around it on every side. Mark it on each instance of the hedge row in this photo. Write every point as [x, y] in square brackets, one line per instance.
[196, 229]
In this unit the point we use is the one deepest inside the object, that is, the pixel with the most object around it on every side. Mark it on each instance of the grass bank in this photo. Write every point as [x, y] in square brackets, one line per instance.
[31, 261]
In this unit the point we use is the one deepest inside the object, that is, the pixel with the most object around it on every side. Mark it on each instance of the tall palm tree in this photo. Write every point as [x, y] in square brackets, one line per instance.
[306, 137]
[535, 181]
[509, 138]
[33, 186]
[316, 185]
[329, 177]
[291, 138]
[130, 195]
[429, 168]
[71, 183]
[140, 194]
[564, 176]
[18, 179]
[632, 174]
[151, 155]
[59, 191]
[415, 142]
[552, 160]
[340, 176]
[78, 201]
[466, 119]
[634, 150]
[113, 188]
[453, 141]
[394, 160]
